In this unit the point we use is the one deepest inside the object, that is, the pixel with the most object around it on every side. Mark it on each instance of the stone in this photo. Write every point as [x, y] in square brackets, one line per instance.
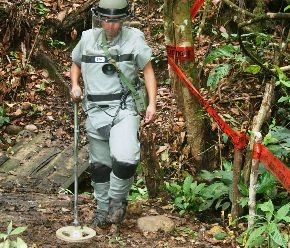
[155, 223]
[31, 128]
[13, 130]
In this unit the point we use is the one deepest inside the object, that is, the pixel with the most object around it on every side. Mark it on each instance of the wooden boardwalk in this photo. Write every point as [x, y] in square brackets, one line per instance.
[41, 165]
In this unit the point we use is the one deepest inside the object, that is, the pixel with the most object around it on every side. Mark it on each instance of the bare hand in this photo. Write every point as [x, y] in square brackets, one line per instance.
[150, 114]
[76, 94]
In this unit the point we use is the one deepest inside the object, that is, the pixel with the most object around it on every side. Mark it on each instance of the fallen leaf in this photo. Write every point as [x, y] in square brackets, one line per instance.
[235, 111]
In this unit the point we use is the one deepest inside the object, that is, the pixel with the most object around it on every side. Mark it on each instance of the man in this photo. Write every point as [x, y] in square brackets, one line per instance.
[112, 121]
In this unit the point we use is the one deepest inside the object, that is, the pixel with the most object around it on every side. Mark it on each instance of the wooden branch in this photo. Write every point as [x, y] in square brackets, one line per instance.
[79, 15]
[258, 121]
[238, 9]
[284, 68]
[240, 99]
[267, 16]
[253, 183]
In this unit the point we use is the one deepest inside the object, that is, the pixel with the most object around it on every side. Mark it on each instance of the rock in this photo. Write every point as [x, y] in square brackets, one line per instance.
[13, 130]
[26, 105]
[31, 128]
[134, 208]
[155, 223]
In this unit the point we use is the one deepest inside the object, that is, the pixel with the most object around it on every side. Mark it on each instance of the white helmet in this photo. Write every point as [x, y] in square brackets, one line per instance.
[113, 9]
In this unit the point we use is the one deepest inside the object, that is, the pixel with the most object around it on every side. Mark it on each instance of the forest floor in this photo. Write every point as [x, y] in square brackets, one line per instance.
[32, 98]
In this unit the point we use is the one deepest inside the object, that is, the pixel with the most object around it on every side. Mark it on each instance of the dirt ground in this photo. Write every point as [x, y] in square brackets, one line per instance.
[44, 214]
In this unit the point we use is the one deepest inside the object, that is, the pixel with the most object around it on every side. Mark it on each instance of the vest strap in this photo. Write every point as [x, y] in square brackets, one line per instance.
[100, 98]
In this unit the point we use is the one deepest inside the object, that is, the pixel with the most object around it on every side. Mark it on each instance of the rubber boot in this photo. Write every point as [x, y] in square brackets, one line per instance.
[102, 200]
[119, 190]
[117, 211]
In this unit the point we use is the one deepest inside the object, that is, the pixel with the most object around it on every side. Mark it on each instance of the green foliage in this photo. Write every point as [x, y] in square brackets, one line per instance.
[186, 196]
[41, 87]
[13, 55]
[284, 83]
[216, 74]
[40, 8]
[219, 190]
[229, 52]
[253, 69]
[65, 191]
[186, 231]
[116, 240]
[138, 191]
[287, 8]
[8, 243]
[55, 43]
[223, 51]
[278, 140]
[233, 58]
[265, 230]
[36, 110]
[3, 117]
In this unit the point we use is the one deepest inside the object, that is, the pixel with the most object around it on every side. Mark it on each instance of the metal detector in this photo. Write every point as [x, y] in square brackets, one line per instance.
[75, 233]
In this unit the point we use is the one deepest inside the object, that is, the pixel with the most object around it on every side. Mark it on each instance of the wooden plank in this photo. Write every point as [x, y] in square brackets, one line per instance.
[24, 151]
[43, 169]
[62, 175]
[56, 163]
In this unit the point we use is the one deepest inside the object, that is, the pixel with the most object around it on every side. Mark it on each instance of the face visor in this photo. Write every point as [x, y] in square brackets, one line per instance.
[110, 15]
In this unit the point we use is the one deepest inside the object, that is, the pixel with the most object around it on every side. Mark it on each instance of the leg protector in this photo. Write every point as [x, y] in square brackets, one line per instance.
[100, 173]
[119, 188]
[101, 195]
[124, 170]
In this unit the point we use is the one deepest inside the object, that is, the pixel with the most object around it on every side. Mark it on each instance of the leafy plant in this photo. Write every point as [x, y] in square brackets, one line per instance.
[36, 110]
[220, 188]
[138, 191]
[278, 140]
[221, 70]
[116, 240]
[65, 191]
[217, 73]
[186, 231]
[41, 87]
[3, 117]
[40, 8]
[233, 58]
[186, 196]
[284, 82]
[265, 232]
[8, 243]
[55, 43]
[287, 8]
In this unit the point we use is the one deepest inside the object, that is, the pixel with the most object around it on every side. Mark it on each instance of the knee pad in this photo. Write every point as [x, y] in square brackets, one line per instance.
[124, 170]
[100, 173]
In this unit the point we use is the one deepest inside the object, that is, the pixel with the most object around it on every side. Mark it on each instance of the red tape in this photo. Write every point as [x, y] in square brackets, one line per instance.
[195, 8]
[239, 139]
[180, 53]
[273, 164]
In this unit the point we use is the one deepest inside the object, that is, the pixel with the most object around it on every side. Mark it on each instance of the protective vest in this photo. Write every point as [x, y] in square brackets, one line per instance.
[128, 49]
[131, 53]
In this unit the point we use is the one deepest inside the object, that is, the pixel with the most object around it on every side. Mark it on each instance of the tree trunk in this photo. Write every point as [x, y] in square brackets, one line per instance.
[178, 32]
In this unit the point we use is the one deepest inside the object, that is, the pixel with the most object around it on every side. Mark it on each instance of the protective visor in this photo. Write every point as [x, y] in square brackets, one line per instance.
[110, 15]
